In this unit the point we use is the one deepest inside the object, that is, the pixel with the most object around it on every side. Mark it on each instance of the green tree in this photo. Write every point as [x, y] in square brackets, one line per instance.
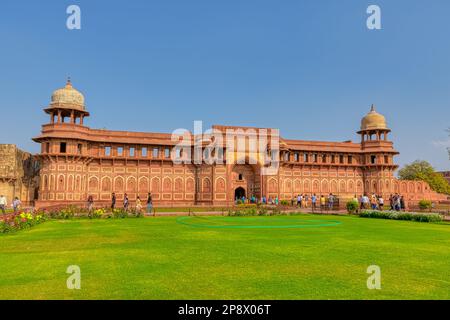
[422, 170]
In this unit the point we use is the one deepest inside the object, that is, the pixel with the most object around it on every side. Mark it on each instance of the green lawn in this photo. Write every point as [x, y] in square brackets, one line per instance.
[202, 258]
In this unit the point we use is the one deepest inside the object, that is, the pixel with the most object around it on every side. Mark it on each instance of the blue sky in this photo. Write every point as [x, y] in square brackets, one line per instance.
[310, 68]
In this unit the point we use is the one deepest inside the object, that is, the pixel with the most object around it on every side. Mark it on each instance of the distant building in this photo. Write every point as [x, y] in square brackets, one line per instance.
[78, 161]
[19, 174]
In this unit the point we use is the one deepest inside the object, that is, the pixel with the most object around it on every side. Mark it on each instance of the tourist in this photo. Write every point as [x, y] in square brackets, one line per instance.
[270, 200]
[322, 201]
[3, 203]
[125, 202]
[402, 203]
[313, 201]
[113, 201]
[276, 200]
[16, 204]
[299, 200]
[373, 202]
[365, 201]
[391, 201]
[330, 201]
[380, 202]
[138, 205]
[361, 202]
[397, 202]
[264, 199]
[90, 202]
[305, 200]
[149, 203]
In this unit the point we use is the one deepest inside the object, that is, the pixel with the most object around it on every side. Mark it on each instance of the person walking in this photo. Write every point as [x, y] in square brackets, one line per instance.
[330, 201]
[125, 202]
[138, 205]
[365, 201]
[313, 201]
[397, 203]
[16, 204]
[322, 201]
[113, 201]
[3, 203]
[373, 202]
[90, 203]
[391, 201]
[380, 202]
[149, 203]
[402, 203]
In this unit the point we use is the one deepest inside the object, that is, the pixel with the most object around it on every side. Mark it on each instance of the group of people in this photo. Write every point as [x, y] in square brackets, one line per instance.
[304, 201]
[301, 200]
[16, 204]
[126, 203]
[255, 200]
[329, 202]
[377, 202]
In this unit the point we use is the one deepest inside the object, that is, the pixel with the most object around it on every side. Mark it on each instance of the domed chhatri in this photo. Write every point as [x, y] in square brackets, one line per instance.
[68, 97]
[373, 121]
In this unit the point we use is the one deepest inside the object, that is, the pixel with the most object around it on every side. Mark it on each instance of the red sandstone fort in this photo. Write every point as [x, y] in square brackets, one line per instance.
[78, 161]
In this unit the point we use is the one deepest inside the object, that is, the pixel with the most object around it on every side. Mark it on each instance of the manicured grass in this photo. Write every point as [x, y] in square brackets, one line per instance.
[159, 258]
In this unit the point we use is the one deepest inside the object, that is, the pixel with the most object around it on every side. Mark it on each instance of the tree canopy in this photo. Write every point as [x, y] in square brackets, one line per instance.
[422, 170]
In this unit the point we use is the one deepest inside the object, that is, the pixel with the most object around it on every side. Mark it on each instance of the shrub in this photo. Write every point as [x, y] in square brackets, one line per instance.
[285, 202]
[98, 213]
[276, 211]
[119, 213]
[352, 206]
[262, 211]
[395, 215]
[425, 204]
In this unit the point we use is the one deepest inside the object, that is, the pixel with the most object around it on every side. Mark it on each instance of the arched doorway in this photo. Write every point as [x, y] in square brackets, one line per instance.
[239, 193]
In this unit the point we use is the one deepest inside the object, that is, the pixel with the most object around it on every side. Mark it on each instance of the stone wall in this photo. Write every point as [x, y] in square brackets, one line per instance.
[19, 174]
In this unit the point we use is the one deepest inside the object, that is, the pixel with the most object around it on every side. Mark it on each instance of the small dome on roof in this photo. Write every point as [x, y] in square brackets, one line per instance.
[68, 98]
[373, 121]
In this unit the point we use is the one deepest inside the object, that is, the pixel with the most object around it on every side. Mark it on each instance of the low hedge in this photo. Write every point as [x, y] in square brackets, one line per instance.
[395, 215]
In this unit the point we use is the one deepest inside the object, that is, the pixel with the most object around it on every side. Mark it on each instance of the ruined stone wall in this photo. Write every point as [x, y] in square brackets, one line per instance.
[19, 174]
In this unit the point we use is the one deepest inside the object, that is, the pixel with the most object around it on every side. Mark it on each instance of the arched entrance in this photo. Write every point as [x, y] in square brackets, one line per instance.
[239, 193]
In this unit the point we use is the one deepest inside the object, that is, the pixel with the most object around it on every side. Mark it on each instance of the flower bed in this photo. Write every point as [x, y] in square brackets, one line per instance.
[396, 215]
[24, 220]
[71, 212]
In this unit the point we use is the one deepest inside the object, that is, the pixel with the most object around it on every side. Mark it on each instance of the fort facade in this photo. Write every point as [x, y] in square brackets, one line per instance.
[78, 161]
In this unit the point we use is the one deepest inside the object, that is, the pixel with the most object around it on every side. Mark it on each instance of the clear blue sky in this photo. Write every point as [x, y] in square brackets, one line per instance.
[310, 68]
